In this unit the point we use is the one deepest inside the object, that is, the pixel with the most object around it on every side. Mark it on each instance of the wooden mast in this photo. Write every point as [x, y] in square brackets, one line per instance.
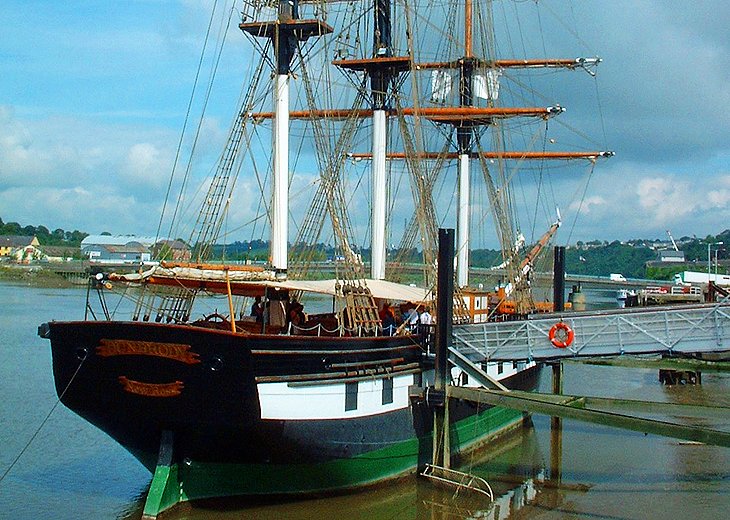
[468, 29]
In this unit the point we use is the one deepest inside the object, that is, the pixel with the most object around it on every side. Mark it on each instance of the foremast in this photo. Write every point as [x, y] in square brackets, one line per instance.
[285, 33]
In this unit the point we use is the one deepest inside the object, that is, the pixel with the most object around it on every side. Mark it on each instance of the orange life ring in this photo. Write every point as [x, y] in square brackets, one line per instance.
[566, 336]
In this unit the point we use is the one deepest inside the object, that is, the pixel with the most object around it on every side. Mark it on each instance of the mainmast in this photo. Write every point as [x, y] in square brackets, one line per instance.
[382, 69]
[379, 80]
[285, 34]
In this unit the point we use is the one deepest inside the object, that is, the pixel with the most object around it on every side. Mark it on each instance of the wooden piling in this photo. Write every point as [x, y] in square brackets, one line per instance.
[444, 316]
[556, 429]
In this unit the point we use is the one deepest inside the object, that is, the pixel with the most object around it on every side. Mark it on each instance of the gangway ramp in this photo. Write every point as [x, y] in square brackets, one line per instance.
[673, 330]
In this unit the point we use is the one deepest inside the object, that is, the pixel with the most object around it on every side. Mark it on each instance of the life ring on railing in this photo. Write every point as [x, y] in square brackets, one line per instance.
[564, 338]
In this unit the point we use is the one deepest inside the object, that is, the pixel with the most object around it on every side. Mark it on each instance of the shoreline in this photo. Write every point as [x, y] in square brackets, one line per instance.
[34, 276]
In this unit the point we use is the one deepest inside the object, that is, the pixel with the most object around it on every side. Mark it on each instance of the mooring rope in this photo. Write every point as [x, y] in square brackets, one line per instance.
[43, 423]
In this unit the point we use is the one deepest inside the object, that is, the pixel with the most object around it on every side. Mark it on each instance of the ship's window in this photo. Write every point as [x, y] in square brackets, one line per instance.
[464, 379]
[350, 396]
[514, 365]
[500, 367]
[388, 390]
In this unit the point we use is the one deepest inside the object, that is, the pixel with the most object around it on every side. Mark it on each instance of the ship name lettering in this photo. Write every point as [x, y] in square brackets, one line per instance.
[122, 347]
[151, 389]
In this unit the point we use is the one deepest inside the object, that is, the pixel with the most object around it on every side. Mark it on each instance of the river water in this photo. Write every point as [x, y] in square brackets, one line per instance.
[55, 465]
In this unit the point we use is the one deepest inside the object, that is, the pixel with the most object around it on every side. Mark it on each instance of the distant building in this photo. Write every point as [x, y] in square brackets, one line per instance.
[116, 249]
[57, 253]
[21, 249]
[671, 256]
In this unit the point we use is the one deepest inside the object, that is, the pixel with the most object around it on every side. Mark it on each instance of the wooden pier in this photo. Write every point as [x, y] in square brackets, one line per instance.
[609, 337]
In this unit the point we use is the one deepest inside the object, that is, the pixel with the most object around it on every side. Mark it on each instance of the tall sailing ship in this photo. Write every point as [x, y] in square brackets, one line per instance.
[387, 99]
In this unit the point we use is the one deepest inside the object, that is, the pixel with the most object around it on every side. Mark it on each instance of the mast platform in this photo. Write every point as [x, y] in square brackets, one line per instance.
[394, 63]
[302, 29]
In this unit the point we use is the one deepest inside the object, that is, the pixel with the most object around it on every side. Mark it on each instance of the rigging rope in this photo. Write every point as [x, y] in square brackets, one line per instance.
[185, 122]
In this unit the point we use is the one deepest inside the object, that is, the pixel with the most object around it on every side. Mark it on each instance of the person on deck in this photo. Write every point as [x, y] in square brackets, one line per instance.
[257, 309]
[388, 321]
[425, 318]
[411, 318]
[296, 313]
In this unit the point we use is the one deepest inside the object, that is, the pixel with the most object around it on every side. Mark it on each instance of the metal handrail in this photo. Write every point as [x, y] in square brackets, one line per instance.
[685, 329]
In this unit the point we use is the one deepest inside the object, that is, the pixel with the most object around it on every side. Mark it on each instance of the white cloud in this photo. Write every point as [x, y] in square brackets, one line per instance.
[584, 206]
[146, 166]
[668, 199]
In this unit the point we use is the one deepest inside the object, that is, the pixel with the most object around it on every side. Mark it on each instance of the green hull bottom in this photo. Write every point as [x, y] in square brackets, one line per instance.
[177, 483]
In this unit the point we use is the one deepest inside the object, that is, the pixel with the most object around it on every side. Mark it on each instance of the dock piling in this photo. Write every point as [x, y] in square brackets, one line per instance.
[444, 315]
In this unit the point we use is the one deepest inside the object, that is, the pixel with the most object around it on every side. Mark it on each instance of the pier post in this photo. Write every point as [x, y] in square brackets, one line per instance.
[444, 316]
[559, 279]
[556, 429]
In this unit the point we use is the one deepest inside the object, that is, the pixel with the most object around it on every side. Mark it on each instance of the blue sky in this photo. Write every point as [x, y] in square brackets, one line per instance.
[93, 95]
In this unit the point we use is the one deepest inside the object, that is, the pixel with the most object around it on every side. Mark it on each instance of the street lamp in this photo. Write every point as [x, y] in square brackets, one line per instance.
[709, 261]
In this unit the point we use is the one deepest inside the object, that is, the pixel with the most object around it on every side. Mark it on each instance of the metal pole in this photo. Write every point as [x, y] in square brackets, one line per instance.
[716, 250]
[708, 262]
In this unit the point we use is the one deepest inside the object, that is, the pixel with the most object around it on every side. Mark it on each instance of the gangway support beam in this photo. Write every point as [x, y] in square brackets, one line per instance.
[444, 317]
[587, 409]
[474, 371]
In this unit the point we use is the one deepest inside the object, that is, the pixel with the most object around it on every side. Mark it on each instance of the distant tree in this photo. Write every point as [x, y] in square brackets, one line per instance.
[485, 257]
[28, 231]
[75, 237]
[607, 259]
[106, 234]
[12, 228]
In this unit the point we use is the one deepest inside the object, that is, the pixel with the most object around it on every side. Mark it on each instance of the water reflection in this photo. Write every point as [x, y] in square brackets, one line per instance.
[514, 467]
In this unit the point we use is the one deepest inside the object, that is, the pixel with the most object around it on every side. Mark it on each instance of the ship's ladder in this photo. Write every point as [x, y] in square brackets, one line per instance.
[360, 312]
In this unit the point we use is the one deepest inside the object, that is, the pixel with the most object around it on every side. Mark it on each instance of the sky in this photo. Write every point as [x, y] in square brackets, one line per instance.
[93, 96]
